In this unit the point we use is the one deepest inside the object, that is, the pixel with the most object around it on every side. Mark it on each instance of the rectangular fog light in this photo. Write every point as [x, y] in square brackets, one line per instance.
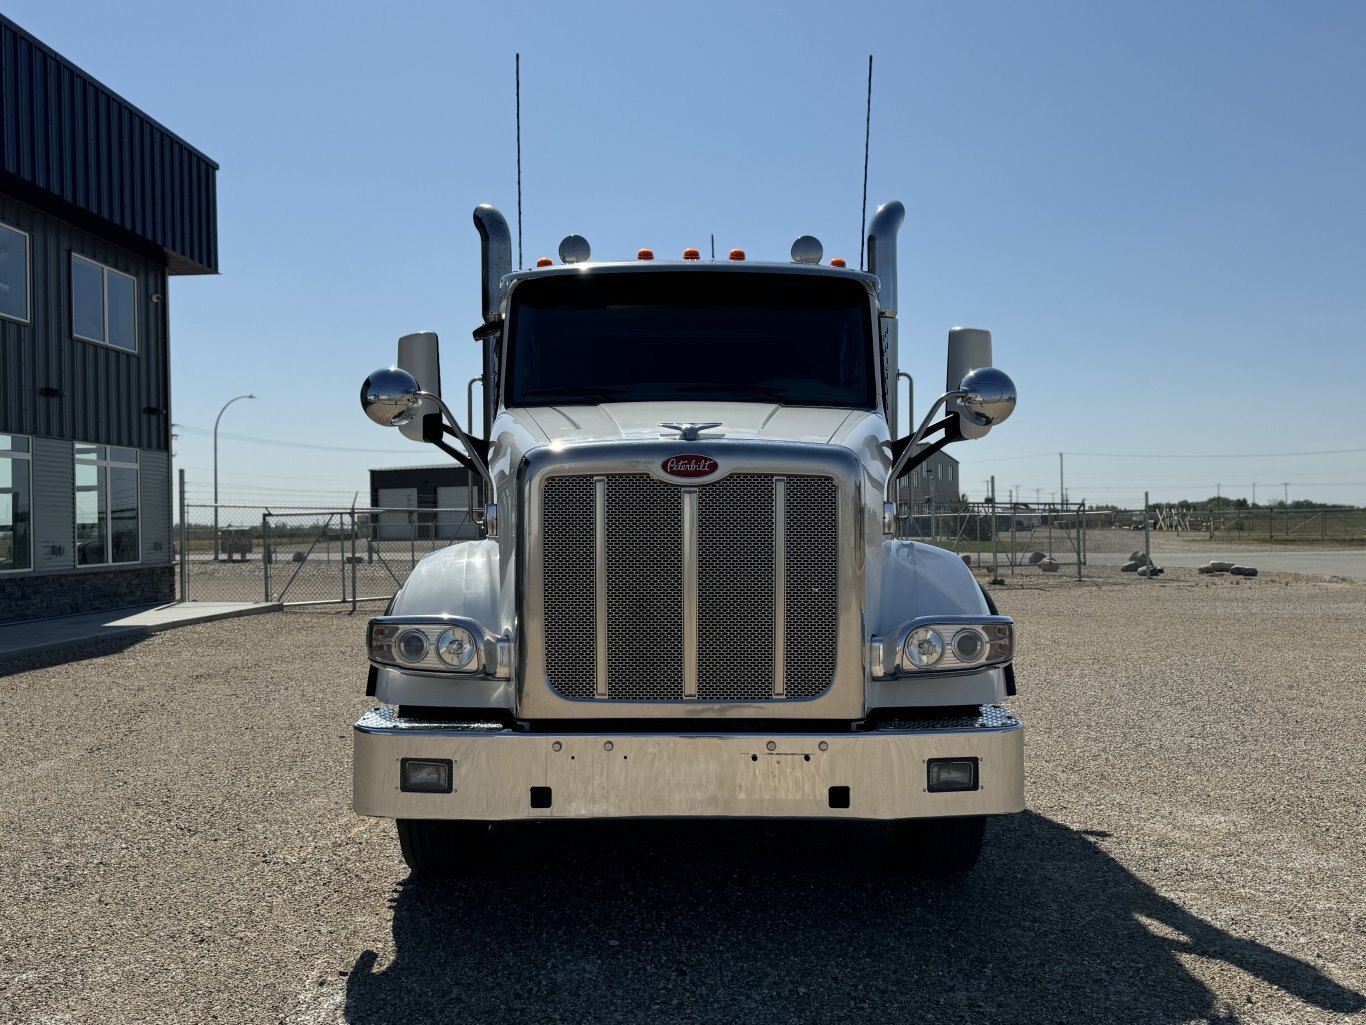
[949, 774]
[425, 775]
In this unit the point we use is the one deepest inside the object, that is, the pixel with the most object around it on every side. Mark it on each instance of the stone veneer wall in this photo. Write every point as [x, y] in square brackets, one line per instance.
[41, 596]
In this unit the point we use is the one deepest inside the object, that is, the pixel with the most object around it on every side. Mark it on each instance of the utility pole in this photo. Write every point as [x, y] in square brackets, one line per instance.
[1286, 485]
[1062, 486]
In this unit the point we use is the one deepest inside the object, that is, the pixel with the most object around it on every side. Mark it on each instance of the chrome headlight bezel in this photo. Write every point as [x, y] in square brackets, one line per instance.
[384, 636]
[992, 636]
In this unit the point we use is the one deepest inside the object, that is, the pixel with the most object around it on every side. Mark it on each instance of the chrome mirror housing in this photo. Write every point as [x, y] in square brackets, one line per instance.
[389, 397]
[988, 396]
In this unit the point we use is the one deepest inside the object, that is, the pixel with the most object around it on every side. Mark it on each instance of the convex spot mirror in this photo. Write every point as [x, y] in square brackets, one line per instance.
[988, 396]
[389, 397]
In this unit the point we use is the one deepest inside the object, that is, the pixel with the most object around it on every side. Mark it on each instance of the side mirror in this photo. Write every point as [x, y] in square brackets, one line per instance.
[988, 396]
[389, 397]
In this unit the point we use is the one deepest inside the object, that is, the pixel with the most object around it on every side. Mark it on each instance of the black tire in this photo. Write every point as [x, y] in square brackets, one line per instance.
[939, 847]
[436, 848]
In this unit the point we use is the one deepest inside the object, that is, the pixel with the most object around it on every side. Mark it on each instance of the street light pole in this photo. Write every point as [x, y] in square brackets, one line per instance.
[215, 469]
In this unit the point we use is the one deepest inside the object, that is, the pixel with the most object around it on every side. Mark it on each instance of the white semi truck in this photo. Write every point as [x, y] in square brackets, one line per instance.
[688, 599]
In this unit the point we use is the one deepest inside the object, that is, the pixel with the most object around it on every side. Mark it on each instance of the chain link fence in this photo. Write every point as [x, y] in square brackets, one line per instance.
[308, 556]
[1048, 537]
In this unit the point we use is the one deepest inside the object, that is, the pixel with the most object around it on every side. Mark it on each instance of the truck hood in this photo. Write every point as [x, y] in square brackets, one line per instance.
[639, 421]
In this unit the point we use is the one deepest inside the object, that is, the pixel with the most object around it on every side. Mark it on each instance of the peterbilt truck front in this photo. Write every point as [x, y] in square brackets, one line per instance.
[689, 600]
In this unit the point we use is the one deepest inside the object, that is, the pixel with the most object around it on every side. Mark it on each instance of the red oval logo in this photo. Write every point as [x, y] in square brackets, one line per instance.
[689, 465]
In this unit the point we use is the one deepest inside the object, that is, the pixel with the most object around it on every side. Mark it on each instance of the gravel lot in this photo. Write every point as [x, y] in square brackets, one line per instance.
[179, 848]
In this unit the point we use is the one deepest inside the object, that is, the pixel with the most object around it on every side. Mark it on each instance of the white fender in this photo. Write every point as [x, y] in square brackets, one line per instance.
[924, 580]
[461, 580]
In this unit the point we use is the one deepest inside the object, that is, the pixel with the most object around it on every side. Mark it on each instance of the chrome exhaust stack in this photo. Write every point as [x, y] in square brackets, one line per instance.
[882, 262]
[495, 250]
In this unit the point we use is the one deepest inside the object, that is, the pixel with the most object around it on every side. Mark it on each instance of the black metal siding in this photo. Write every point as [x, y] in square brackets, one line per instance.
[67, 136]
[56, 386]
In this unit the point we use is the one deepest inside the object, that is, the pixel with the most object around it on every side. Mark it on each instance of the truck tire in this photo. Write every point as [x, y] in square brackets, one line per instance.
[434, 848]
[939, 847]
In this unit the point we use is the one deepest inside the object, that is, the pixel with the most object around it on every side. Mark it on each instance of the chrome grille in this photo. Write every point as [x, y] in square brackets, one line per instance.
[741, 521]
[735, 589]
[570, 607]
[644, 590]
[810, 612]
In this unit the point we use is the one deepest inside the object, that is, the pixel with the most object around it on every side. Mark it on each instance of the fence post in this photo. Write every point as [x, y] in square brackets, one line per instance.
[1081, 556]
[265, 555]
[353, 558]
[184, 545]
[1270, 523]
[412, 540]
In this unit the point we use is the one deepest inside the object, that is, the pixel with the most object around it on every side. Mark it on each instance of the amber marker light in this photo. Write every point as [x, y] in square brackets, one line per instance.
[737, 255]
[838, 262]
[645, 254]
[691, 254]
[545, 261]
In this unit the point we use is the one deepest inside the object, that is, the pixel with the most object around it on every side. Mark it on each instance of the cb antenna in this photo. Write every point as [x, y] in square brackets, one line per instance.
[518, 87]
[867, 133]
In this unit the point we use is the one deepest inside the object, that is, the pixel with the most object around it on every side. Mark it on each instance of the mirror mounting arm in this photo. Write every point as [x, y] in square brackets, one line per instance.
[900, 466]
[453, 427]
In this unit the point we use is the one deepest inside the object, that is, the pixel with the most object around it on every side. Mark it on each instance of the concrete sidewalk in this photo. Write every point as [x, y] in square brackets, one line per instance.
[44, 635]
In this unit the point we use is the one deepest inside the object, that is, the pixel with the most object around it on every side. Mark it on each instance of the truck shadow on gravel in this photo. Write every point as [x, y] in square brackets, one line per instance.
[784, 922]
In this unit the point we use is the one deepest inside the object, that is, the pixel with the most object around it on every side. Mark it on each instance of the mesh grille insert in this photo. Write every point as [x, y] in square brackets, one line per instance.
[735, 576]
[569, 554]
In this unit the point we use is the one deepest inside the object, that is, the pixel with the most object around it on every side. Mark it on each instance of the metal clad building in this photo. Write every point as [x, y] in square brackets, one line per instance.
[99, 206]
[424, 502]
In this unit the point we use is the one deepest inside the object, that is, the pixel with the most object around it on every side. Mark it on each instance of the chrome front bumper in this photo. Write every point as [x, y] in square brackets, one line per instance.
[879, 774]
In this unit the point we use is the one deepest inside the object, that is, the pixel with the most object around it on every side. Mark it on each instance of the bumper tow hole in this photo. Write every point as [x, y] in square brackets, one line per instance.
[839, 797]
[540, 797]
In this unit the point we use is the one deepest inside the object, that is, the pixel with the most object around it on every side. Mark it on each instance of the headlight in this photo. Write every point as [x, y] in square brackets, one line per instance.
[411, 646]
[955, 643]
[430, 644]
[924, 647]
[455, 647]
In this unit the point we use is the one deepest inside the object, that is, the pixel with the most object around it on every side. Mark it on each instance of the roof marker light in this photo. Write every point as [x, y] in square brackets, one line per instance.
[838, 262]
[691, 254]
[545, 261]
[645, 254]
[737, 255]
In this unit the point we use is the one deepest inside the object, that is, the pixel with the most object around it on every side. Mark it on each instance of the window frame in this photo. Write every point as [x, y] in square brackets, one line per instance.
[105, 270]
[27, 458]
[103, 464]
[28, 276]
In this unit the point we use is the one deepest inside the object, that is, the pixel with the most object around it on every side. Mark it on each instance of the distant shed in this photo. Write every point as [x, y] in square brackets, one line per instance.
[423, 502]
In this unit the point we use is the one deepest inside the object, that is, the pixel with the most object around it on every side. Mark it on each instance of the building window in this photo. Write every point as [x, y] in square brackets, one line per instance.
[13, 273]
[16, 545]
[106, 505]
[103, 304]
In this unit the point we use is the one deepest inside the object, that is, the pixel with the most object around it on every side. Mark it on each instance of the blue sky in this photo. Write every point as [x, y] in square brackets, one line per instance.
[1157, 209]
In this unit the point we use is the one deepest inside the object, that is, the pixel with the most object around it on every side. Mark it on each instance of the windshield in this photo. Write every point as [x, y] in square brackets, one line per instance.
[793, 339]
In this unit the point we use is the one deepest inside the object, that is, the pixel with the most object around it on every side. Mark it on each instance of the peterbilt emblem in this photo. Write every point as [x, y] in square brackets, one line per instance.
[689, 466]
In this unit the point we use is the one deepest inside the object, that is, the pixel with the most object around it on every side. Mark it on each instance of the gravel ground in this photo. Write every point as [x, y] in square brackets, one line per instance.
[179, 848]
